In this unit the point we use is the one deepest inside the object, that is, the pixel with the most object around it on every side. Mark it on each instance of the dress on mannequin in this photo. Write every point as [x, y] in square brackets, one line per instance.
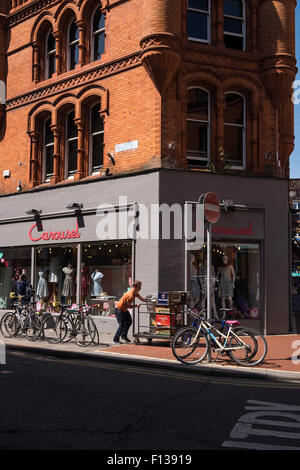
[97, 279]
[195, 284]
[67, 290]
[226, 276]
[54, 270]
[42, 287]
[85, 281]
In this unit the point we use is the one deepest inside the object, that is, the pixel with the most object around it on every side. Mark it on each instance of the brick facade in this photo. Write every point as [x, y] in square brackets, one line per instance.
[141, 84]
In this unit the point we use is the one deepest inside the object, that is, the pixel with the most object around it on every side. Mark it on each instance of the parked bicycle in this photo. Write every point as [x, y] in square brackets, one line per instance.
[23, 320]
[77, 324]
[191, 344]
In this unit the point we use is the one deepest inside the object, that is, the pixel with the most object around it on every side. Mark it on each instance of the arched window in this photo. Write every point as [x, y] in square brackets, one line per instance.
[198, 127]
[96, 140]
[71, 145]
[73, 46]
[198, 20]
[50, 52]
[47, 152]
[235, 130]
[98, 35]
[234, 24]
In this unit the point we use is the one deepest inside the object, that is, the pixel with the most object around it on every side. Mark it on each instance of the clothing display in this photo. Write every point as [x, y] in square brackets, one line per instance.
[42, 287]
[54, 270]
[85, 281]
[226, 282]
[97, 279]
[68, 289]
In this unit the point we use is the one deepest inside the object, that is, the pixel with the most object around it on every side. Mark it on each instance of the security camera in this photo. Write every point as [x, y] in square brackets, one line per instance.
[111, 157]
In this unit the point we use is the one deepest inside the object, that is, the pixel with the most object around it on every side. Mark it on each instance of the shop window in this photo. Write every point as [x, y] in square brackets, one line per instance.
[235, 279]
[71, 145]
[96, 139]
[55, 274]
[235, 130]
[73, 46]
[106, 271]
[48, 150]
[234, 24]
[14, 262]
[198, 133]
[98, 35]
[198, 17]
[50, 52]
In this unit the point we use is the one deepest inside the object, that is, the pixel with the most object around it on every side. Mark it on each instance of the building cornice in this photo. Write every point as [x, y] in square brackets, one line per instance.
[75, 80]
[26, 11]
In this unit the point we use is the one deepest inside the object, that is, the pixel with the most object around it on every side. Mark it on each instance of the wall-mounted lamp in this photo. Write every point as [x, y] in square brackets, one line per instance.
[19, 187]
[75, 206]
[111, 157]
[35, 212]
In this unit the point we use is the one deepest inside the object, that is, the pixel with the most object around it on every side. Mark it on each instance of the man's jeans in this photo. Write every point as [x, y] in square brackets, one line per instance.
[125, 321]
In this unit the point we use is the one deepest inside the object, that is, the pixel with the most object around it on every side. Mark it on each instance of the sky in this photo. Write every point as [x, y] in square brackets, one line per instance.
[295, 157]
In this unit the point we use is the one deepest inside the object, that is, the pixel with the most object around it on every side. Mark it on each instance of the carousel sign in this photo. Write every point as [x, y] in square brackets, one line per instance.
[36, 236]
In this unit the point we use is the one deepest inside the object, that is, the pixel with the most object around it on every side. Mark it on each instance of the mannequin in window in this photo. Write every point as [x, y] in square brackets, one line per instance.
[54, 276]
[97, 280]
[85, 282]
[68, 290]
[203, 282]
[42, 290]
[226, 276]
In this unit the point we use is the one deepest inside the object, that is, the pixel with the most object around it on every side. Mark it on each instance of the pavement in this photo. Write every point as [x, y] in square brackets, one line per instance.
[282, 362]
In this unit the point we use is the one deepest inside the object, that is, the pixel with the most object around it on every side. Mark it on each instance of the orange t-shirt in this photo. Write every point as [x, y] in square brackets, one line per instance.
[126, 301]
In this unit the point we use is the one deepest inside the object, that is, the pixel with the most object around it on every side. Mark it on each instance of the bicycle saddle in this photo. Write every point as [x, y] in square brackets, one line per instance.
[232, 322]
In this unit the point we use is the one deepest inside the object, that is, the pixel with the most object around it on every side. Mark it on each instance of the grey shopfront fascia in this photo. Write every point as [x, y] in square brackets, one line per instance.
[159, 263]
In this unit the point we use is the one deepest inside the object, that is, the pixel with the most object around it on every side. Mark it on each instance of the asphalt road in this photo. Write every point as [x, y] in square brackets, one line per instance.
[49, 403]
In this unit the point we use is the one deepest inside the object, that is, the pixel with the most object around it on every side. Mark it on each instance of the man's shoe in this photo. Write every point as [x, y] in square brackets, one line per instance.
[127, 340]
[118, 342]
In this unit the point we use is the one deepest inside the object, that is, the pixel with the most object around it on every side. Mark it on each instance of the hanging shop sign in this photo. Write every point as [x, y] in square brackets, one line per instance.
[36, 236]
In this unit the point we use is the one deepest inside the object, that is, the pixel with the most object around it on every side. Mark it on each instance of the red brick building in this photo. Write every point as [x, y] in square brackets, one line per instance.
[143, 67]
[100, 90]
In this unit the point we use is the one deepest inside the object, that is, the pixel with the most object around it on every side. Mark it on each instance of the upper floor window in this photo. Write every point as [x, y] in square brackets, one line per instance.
[47, 151]
[71, 145]
[50, 52]
[234, 24]
[96, 139]
[235, 130]
[198, 131]
[73, 46]
[198, 20]
[98, 35]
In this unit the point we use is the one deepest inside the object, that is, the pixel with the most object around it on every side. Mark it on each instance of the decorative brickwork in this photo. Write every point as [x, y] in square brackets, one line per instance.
[141, 81]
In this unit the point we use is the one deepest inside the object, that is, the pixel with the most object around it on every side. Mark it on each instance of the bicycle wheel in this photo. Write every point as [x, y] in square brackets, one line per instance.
[189, 345]
[94, 332]
[32, 327]
[69, 327]
[249, 347]
[85, 332]
[9, 325]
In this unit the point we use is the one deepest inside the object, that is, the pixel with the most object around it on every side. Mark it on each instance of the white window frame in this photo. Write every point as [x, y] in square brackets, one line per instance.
[95, 33]
[91, 172]
[244, 127]
[68, 175]
[243, 20]
[70, 44]
[45, 178]
[47, 54]
[208, 122]
[208, 18]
